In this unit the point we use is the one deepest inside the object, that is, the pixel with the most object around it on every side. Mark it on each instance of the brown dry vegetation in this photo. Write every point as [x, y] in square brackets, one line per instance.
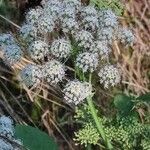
[135, 62]
[48, 110]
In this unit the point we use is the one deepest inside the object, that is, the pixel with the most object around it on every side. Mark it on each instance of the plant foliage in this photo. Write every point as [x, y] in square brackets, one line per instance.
[34, 139]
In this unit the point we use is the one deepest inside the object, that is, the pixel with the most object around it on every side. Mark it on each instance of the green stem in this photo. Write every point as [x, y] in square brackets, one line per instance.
[83, 77]
[95, 117]
[89, 147]
[90, 77]
[97, 120]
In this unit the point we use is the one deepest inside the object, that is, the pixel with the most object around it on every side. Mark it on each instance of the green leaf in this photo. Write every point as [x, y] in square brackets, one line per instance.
[145, 97]
[34, 139]
[123, 103]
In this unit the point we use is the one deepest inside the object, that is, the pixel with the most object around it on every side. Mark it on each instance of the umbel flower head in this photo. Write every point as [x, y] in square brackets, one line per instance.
[6, 122]
[89, 18]
[7, 133]
[90, 23]
[5, 145]
[68, 20]
[109, 76]
[87, 61]
[6, 39]
[84, 39]
[61, 48]
[52, 8]
[102, 48]
[106, 35]
[75, 92]
[38, 50]
[69, 25]
[46, 24]
[68, 12]
[89, 11]
[28, 32]
[75, 4]
[6, 127]
[125, 36]
[12, 54]
[31, 75]
[53, 71]
[107, 19]
[33, 15]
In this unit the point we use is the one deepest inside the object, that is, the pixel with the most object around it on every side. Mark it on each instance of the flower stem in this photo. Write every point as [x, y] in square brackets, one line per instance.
[89, 147]
[97, 120]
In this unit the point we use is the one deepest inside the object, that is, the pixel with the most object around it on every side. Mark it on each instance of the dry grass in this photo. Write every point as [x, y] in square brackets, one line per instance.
[48, 108]
[134, 62]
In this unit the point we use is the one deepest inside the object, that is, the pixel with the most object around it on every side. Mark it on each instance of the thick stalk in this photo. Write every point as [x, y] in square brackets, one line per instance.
[97, 120]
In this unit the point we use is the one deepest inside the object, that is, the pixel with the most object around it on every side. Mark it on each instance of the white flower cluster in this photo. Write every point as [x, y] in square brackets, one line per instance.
[33, 15]
[88, 11]
[46, 24]
[102, 48]
[59, 29]
[76, 4]
[6, 39]
[106, 35]
[38, 50]
[28, 32]
[84, 39]
[68, 19]
[52, 8]
[109, 76]
[75, 92]
[107, 19]
[12, 54]
[108, 24]
[6, 127]
[87, 61]
[7, 132]
[31, 75]
[89, 18]
[53, 72]
[5, 145]
[125, 36]
[61, 48]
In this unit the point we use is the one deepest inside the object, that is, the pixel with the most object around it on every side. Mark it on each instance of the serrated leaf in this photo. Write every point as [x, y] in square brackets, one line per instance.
[123, 103]
[145, 97]
[34, 139]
